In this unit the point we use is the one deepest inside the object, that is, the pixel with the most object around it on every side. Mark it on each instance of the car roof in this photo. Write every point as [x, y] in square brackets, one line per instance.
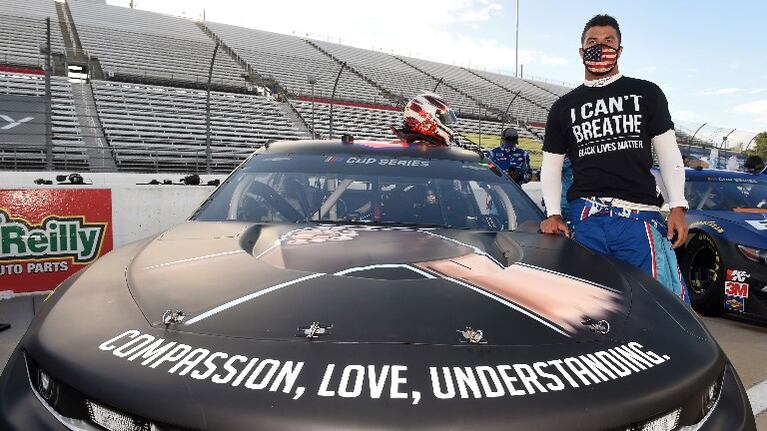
[387, 148]
[721, 173]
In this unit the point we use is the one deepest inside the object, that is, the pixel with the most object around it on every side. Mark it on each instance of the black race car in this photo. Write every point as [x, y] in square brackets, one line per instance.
[366, 285]
[725, 260]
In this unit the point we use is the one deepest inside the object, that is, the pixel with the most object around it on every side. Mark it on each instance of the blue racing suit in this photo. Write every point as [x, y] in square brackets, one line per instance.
[567, 181]
[514, 160]
[635, 237]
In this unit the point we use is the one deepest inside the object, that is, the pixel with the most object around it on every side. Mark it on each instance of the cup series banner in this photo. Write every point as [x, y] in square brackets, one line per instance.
[46, 235]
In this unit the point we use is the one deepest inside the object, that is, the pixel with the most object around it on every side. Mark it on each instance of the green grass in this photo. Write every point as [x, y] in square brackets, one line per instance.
[491, 141]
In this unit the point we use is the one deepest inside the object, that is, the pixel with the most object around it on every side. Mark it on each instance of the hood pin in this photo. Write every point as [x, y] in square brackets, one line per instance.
[314, 330]
[601, 326]
[472, 336]
[171, 317]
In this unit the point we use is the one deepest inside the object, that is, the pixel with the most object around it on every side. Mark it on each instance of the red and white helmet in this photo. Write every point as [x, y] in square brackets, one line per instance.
[428, 114]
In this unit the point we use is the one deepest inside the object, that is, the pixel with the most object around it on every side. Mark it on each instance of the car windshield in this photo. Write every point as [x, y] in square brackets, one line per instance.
[727, 194]
[370, 189]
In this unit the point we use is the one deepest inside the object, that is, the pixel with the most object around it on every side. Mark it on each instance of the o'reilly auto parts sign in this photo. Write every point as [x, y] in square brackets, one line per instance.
[47, 235]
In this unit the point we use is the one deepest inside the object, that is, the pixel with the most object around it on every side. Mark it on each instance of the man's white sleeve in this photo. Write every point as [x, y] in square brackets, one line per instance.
[551, 182]
[671, 168]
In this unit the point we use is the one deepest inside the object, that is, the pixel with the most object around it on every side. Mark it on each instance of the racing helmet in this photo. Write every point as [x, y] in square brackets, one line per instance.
[429, 115]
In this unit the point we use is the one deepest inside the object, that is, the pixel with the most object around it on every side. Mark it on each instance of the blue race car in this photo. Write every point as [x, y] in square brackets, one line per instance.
[724, 262]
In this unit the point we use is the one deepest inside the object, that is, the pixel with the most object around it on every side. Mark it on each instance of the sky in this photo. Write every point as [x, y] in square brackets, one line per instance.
[709, 57]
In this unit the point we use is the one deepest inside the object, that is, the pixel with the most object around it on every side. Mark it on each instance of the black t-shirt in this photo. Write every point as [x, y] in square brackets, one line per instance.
[606, 132]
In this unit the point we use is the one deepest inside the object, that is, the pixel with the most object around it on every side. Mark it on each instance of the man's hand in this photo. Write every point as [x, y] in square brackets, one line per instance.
[513, 174]
[554, 225]
[677, 225]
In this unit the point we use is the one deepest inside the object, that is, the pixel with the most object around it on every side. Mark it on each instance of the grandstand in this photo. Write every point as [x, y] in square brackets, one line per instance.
[395, 76]
[22, 31]
[375, 123]
[142, 106]
[154, 128]
[17, 153]
[361, 122]
[290, 61]
[144, 97]
[489, 127]
[556, 89]
[534, 93]
[490, 94]
[135, 45]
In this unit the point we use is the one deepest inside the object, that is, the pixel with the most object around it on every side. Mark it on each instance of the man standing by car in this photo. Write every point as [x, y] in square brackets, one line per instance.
[608, 127]
[512, 159]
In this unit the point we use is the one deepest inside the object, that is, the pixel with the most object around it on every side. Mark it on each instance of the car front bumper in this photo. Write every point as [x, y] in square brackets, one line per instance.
[22, 409]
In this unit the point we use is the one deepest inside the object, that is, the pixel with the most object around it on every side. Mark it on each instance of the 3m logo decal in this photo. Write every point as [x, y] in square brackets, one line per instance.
[735, 289]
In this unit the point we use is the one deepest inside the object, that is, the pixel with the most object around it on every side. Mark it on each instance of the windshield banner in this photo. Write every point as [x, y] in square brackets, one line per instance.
[47, 235]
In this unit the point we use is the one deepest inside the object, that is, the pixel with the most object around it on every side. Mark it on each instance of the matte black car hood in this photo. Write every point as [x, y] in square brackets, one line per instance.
[393, 358]
[371, 284]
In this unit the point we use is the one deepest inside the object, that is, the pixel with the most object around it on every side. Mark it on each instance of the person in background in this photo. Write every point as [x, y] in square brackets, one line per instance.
[512, 159]
[428, 209]
[685, 160]
[732, 163]
[754, 165]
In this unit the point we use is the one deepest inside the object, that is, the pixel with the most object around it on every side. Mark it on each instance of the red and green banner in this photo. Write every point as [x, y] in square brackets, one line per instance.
[46, 235]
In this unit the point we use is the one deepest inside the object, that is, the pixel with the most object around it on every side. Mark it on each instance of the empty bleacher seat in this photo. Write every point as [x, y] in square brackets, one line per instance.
[66, 134]
[133, 44]
[481, 89]
[394, 75]
[153, 128]
[528, 89]
[372, 123]
[291, 60]
[361, 122]
[557, 89]
[22, 31]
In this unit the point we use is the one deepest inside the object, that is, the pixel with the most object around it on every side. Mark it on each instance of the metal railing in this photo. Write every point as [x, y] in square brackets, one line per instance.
[129, 159]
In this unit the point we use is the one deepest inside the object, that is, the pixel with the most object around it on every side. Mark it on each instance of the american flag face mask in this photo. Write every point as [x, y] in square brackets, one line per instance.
[600, 59]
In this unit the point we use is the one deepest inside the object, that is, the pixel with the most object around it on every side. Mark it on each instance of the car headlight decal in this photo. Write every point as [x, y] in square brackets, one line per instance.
[711, 396]
[75, 412]
[113, 420]
[695, 412]
[667, 422]
[47, 387]
[708, 402]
